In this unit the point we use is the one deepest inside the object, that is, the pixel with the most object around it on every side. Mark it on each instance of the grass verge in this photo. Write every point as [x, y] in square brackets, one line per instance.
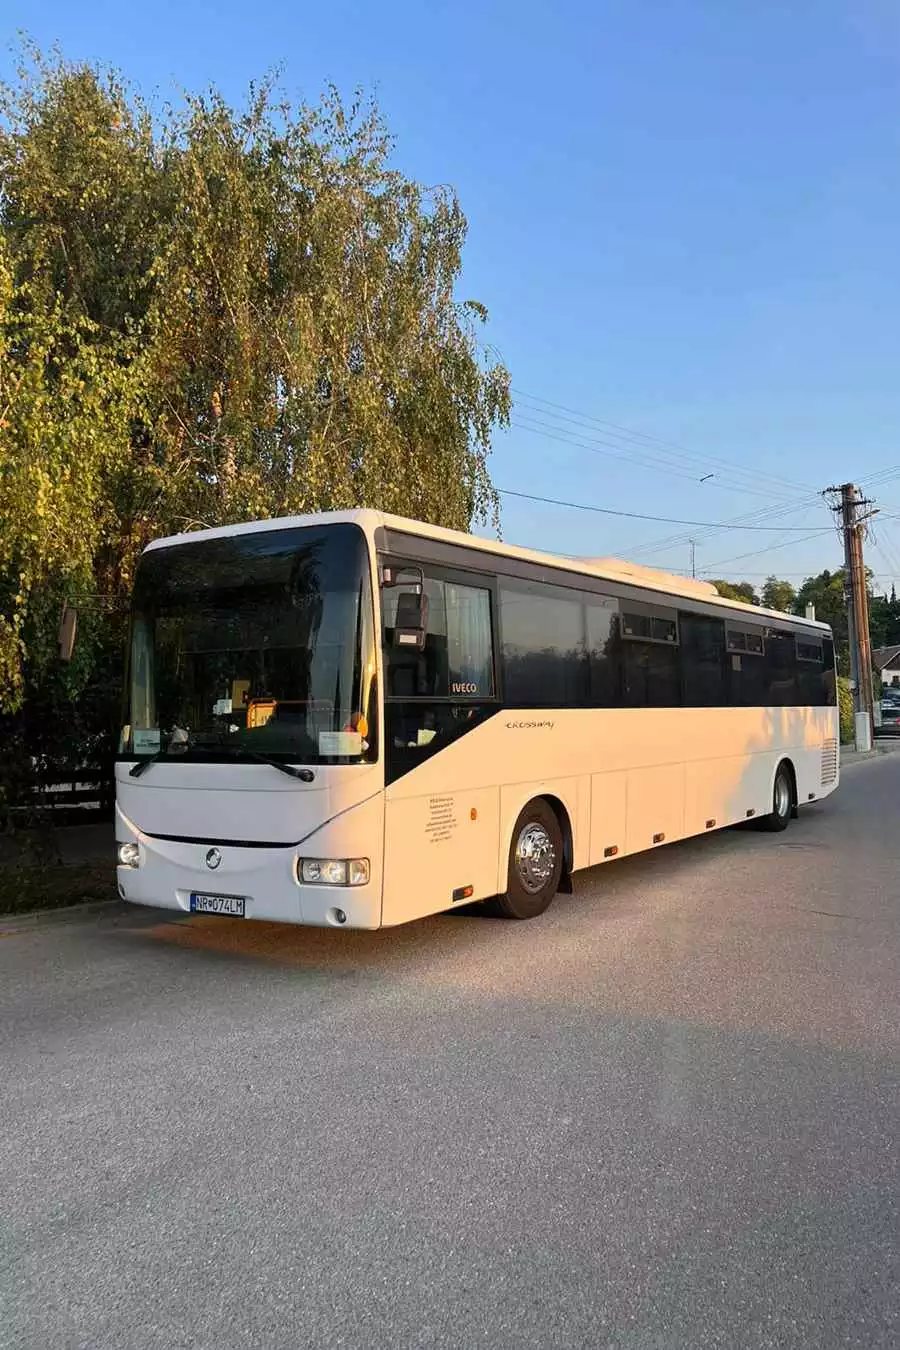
[24, 889]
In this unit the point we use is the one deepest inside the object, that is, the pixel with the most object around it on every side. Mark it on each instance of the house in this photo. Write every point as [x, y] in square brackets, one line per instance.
[886, 661]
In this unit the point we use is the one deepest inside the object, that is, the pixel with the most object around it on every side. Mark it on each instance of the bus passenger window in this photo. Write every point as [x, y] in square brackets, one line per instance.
[544, 656]
[810, 673]
[702, 661]
[781, 669]
[650, 675]
[602, 619]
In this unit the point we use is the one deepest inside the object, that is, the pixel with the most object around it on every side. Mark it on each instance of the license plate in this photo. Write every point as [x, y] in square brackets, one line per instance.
[230, 905]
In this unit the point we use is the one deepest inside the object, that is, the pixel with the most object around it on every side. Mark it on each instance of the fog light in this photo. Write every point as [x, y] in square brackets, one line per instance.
[129, 855]
[333, 871]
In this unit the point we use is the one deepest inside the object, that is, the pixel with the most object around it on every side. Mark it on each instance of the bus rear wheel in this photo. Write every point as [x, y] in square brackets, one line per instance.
[535, 863]
[782, 801]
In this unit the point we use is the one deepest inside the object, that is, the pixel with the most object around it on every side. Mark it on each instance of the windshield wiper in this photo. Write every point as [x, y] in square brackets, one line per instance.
[143, 764]
[305, 775]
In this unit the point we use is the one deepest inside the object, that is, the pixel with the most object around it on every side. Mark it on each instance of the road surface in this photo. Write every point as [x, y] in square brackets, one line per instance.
[664, 1116]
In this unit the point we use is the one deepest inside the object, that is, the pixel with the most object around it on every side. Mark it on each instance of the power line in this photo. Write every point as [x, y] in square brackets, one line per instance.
[638, 515]
[676, 541]
[769, 549]
[569, 414]
[888, 549]
[626, 455]
[779, 575]
[748, 520]
[621, 443]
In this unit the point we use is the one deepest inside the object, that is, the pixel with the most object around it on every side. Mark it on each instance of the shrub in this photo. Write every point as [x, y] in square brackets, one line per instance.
[845, 706]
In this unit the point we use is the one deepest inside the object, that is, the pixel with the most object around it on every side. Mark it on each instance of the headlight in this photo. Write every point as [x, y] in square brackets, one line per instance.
[129, 855]
[333, 871]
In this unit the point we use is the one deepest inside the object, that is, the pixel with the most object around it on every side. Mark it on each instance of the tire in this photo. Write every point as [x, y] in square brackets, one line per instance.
[779, 817]
[535, 865]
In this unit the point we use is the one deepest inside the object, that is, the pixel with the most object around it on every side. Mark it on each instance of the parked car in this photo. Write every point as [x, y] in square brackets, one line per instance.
[890, 715]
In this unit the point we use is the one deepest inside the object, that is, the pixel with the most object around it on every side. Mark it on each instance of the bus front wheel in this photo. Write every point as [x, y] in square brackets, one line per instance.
[536, 855]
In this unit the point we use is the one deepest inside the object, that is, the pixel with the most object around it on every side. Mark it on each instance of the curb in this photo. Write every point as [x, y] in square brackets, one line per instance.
[34, 918]
[849, 756]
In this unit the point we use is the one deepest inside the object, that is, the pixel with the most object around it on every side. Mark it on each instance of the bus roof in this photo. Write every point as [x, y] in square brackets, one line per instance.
[608, 569]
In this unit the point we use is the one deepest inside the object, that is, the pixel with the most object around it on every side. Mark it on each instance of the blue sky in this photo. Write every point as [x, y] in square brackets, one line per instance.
[684, 219]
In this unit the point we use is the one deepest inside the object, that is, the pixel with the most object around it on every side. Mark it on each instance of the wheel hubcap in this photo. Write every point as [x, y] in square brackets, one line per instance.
[535, 858]
[782, 796]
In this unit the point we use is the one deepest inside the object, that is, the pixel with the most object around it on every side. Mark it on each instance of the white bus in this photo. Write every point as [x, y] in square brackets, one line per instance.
[356, 719]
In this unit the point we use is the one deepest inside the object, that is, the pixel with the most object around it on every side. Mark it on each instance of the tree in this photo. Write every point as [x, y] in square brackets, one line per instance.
[778, 595]
[211, 315]
[737, 590]
[826, 592]
[884, 620]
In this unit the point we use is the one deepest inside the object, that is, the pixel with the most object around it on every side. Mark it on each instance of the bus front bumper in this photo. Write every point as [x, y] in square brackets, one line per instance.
[169, 873]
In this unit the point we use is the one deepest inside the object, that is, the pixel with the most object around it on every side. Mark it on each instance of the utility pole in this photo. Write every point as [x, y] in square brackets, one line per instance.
[693, 556]
[853, 525]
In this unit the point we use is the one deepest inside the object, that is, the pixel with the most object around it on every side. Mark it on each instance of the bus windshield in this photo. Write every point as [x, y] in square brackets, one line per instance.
[257, 644]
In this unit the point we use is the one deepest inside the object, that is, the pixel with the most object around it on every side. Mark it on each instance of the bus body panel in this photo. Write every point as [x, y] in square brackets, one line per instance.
[251, 803]
[439, 845]
[609, 813]
[671, 772]
[655, 806]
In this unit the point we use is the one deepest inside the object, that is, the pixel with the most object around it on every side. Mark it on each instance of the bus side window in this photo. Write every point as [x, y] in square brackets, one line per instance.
[544, 657]
[650, 675]
[781, 669]
[810, 672]
[604, 651]
[702, 661]
[745, 648]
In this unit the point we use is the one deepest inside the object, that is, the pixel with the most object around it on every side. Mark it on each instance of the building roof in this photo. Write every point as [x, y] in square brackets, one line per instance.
[885, 656]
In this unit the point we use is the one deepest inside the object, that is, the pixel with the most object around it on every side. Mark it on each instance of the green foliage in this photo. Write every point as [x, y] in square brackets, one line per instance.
[778, 595]
[826, 592]
[737, 590]
[884, 620]
[209, 315]
[845, 710]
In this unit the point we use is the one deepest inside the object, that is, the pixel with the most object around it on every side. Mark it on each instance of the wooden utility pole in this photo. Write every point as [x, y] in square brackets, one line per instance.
[853, 525]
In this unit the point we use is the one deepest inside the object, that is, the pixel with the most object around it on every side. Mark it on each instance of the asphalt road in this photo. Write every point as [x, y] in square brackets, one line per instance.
[665, 1116]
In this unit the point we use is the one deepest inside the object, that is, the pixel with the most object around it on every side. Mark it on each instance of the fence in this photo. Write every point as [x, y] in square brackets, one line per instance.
[65, 796]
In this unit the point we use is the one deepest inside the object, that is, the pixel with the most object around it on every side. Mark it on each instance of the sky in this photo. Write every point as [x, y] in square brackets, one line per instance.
[684, 219]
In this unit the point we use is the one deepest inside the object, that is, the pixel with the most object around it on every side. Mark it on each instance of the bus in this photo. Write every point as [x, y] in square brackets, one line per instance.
[354, 719]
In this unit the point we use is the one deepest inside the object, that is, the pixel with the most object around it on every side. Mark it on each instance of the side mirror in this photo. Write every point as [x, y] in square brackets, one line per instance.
[68, 625]
[411, 623]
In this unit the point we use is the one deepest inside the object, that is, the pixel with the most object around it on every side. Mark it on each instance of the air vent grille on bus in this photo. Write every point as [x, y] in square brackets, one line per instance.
[829, 762]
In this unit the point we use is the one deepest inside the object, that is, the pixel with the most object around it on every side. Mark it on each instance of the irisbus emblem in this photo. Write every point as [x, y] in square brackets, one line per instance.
[213, 858]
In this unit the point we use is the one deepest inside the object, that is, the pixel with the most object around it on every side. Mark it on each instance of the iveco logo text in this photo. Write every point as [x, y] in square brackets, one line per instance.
[213, 858]
[527, 726]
